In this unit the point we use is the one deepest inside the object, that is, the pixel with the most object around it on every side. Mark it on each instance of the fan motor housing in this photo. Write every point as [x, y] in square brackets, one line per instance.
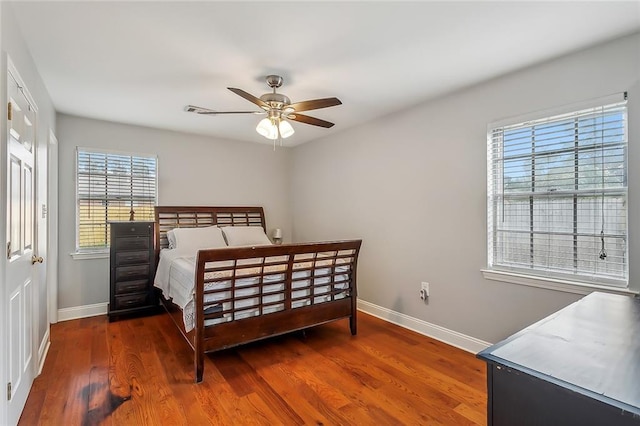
[276, 100]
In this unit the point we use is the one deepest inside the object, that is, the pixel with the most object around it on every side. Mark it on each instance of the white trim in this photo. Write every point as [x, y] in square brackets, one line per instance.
[52, 224]
[450, 337]
[553, 283]
[13, 72]
[43, 350]
[89, 255]
[75, 312]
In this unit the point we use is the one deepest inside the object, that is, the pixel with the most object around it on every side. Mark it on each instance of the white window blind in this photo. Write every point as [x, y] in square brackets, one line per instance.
[557, 189]
[111, 187]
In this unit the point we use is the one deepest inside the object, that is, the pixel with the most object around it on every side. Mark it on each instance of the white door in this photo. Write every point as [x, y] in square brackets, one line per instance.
[20, 248]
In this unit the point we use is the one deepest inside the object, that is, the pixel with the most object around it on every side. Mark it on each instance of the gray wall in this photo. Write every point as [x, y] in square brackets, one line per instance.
[14, 47]
[413, 186]
[192, 170]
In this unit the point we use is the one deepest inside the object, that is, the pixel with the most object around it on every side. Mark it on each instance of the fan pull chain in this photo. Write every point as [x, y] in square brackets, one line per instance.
[277, 124]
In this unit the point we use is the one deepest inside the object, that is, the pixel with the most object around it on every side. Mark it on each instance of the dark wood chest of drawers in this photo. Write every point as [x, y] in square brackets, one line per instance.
[132, 266]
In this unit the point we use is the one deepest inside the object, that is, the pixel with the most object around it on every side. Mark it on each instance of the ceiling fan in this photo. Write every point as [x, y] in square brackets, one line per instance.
[278, 109]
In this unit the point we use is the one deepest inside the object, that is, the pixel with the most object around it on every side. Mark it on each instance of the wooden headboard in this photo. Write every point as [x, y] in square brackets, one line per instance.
[169, 217]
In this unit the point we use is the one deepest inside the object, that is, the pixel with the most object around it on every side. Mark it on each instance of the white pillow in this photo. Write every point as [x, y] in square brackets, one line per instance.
[245, 236]
[171, 238]
[199, 238]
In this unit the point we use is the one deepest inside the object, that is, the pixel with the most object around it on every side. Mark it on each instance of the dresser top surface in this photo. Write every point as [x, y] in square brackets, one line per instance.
[592, 344]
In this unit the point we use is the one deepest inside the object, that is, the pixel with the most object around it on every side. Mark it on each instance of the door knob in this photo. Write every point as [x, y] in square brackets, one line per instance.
[36, 259]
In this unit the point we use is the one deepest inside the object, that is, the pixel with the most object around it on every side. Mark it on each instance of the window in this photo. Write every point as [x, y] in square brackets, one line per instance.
[111, 187]
[557, 189]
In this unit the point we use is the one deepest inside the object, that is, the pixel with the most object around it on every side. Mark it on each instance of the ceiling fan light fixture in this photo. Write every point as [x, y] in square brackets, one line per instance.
[286, 129]
[267, 129]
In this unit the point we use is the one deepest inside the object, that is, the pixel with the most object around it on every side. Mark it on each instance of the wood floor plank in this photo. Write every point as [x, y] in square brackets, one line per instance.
[245, 381]
[319, 369]
[407, 386]
[411, 365]
[207, 400]
[140, 372]
[470, 413]
[313, 405]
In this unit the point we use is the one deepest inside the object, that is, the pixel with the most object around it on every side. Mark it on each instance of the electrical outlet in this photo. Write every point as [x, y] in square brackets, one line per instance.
[424, 286]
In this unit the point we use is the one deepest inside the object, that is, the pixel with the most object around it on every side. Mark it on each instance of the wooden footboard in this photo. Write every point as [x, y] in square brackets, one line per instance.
[247, 294]
[244, 294]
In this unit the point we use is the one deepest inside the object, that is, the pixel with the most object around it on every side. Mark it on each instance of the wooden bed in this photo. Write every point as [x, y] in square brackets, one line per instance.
[284, 301]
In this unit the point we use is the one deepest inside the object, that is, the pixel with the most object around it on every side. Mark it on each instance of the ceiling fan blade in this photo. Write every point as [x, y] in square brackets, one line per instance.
[310, 120]
[197, 109]
[315, 104]
[233, 112]
[249, 97]
[207, 111]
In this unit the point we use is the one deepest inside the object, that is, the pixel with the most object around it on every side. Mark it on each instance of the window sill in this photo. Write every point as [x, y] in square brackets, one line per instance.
[553, 283]
[89, 255]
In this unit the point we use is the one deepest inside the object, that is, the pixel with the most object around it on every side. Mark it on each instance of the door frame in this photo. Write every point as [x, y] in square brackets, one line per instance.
[52, 228]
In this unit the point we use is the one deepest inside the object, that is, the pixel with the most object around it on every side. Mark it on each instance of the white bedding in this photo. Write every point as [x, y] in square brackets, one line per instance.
[175, 276]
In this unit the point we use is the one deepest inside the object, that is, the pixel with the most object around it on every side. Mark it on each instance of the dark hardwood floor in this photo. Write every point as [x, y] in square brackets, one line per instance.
[140, 371]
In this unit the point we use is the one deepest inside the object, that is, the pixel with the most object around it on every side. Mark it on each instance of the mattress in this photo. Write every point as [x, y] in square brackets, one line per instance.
[245, 295]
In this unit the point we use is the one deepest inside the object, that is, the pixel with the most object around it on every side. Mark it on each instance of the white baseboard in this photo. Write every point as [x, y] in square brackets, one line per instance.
[43, 350]
[75, 312]
[450, 337]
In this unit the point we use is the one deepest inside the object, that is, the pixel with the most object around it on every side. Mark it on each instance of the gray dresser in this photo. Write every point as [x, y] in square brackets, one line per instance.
[579, 366]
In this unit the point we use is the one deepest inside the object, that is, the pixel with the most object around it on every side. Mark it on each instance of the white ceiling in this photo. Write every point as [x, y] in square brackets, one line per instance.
[142, 62]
